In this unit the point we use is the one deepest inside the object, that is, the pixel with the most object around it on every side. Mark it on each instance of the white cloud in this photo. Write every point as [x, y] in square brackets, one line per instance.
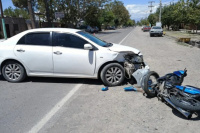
[140, 11]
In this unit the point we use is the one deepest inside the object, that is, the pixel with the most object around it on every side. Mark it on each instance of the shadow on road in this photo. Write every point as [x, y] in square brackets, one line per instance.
[195, 117]
[60, 80]
[178, 114]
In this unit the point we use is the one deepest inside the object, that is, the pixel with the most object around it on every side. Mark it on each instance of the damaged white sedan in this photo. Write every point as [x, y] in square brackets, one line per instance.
[70, 53]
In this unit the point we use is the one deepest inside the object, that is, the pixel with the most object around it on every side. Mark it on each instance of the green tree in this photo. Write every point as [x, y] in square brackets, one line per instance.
[16, 12]
[152, 19]
[144, 21]
[120, 12]
[27, 4]
[108, 17]
[194, 13]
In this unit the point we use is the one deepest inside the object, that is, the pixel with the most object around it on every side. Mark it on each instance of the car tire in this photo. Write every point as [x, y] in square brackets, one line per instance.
[150, 35]
[112, 74]
[13, 72]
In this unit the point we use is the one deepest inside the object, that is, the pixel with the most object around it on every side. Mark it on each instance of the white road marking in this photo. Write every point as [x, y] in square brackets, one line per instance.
[125, 37]
[54, 110]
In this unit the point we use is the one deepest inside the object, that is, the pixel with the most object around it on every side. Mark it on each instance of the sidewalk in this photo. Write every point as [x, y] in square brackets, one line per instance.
[194, 38]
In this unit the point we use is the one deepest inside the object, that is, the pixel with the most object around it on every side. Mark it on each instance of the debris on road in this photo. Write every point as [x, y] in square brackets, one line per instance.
[104, 89]
[131, 88]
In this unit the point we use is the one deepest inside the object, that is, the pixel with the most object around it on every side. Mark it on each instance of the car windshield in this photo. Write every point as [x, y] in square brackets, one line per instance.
[156, 28]
[95, 39]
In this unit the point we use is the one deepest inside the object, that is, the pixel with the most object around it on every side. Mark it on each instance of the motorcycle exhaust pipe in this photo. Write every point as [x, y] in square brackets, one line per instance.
[187, 114]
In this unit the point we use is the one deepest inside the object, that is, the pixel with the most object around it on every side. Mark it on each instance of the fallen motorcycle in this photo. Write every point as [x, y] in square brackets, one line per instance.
[186, 99]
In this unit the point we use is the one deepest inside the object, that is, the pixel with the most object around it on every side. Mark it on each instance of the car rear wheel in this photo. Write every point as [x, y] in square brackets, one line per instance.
[13, 72]
[112, 74]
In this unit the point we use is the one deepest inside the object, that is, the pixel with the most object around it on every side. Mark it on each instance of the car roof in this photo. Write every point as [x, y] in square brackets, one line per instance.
[54, 29]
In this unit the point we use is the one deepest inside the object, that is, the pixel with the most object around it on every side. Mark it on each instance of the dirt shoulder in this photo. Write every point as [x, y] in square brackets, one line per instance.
[183, 34]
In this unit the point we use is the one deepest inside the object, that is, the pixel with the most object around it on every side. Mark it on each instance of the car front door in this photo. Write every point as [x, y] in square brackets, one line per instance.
[34, 50]
[70, 57]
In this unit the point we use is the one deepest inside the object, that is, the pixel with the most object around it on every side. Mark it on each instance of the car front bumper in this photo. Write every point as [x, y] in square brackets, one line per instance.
[154, 33]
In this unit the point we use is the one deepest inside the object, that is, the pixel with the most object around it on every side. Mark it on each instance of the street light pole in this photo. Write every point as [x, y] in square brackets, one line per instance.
[3, 23]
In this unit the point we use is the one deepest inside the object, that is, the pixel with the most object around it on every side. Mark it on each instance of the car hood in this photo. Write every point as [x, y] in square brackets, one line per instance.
[122, 48]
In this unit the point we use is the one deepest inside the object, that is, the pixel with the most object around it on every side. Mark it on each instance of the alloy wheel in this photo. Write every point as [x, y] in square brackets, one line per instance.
[13, 71]
[113, 75]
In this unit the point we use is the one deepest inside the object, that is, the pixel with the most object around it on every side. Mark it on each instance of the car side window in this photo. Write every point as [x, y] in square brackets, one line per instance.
[42, 39]
[68, 40]
[21, 41]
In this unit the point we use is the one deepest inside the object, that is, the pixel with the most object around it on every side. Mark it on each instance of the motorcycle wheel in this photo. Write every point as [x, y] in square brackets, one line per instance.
[150, 79]
[190, 105]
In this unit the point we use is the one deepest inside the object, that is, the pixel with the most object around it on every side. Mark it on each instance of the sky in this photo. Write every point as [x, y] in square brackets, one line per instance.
[138, 9]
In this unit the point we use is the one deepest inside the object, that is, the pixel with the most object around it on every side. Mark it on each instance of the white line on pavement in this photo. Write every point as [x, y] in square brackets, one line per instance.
[126, 37]
[54, 110]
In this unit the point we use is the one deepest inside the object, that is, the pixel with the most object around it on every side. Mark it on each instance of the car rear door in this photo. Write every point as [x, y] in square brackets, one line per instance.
[70, 57]
[34, 50]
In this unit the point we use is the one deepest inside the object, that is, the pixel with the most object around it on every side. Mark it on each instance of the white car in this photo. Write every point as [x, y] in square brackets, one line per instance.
[156, 30]
[63, 52]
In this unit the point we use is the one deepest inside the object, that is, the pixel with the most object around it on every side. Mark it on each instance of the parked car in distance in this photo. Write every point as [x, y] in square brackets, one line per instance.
[89, 29]
[156, 30]
[96, 29]
[111, 28]
[64, 52]
[146, 28]
[142, 27]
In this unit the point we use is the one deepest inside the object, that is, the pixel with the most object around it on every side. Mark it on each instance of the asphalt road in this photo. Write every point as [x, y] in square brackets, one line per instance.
[78, 105]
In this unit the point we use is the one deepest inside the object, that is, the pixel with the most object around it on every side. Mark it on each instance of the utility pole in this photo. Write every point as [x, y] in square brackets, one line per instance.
[151, 5]
[3, 22]
[160, 10]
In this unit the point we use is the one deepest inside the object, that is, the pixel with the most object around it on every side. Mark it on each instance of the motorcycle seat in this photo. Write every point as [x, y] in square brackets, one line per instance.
[189, 89]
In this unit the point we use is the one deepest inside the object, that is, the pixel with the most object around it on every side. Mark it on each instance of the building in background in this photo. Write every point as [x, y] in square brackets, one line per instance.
[13, 26]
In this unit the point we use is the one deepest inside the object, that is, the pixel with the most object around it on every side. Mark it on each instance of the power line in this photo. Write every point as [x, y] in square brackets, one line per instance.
[151, 5]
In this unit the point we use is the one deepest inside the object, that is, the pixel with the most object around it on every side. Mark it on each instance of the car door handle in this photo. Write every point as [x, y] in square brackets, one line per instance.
[57, 52]
[20, 50]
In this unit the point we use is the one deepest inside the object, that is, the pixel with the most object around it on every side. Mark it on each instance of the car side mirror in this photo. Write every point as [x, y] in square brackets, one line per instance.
[88, 47]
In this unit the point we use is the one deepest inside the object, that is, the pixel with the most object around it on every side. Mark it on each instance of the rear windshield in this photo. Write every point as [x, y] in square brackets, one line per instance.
[156, 27]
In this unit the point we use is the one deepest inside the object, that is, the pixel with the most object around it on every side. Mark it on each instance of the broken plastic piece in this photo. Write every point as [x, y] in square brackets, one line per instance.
[104, 89]
[131, 88]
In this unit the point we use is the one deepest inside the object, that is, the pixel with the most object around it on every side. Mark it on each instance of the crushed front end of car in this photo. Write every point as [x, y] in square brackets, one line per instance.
[135, 68]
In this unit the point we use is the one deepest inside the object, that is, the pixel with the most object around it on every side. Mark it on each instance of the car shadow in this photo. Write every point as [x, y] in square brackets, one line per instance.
[63, 80]
[60, 80]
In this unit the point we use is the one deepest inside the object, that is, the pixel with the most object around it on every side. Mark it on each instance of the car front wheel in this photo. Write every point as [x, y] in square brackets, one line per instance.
[112, 74]
[13, 71]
